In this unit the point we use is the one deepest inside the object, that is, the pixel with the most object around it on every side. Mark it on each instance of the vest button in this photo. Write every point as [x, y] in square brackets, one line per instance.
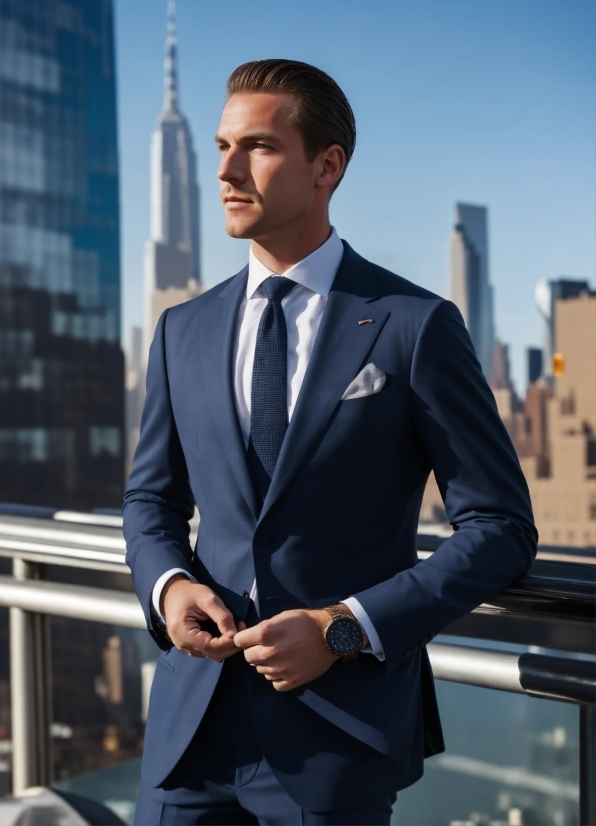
[246, 594]
[263, 541]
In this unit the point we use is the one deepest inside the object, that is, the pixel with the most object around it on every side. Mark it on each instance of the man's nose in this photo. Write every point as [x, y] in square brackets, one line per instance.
[232, 167]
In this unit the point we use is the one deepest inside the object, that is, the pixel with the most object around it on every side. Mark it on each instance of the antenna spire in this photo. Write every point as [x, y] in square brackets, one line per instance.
[171, 62]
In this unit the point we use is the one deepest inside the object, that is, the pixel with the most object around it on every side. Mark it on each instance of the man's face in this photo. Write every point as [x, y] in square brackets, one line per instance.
[266, 183]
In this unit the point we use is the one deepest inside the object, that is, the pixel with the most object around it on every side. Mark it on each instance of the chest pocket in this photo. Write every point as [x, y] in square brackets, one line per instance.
[377, 404]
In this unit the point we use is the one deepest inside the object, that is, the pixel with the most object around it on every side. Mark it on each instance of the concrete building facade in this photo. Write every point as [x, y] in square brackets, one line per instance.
[561, 469]
[547, 293]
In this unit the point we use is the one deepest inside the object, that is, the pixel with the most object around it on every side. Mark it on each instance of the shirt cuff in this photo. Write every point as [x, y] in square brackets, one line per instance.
[160, 585]
[375, 646]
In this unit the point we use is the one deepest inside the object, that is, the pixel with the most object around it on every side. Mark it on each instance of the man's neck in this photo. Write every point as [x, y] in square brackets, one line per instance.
[280, 253]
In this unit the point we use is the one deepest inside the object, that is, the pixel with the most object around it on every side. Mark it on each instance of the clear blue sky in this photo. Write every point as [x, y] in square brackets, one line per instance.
[487, 101]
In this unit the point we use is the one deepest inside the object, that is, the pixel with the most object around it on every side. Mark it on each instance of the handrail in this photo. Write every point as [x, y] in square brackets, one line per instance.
[49, 541]
[74, 601]
[556, 678]
[561, 591]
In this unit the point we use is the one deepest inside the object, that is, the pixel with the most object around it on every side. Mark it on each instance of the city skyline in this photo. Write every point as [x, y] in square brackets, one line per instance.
[441, 118]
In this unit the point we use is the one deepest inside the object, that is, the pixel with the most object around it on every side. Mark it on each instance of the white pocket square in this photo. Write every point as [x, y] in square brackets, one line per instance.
[368, 381]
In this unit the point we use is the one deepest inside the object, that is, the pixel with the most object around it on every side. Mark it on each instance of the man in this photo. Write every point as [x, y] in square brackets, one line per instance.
[301, 405]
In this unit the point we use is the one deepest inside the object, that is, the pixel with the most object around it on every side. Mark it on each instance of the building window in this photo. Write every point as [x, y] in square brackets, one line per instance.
[591, 452]
[36, 444]
[104, 440]
[568, 405]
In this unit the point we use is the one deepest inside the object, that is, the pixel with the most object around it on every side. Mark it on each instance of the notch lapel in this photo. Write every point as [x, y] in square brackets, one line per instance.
[340, 350]
[220, 378]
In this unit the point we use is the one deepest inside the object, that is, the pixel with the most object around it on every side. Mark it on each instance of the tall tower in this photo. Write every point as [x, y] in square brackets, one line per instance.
[61, 364]
[172, 253]
[469, 286]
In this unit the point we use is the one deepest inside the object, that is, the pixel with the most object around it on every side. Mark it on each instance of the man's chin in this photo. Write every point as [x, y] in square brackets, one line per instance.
[242, 229]
[238, 232]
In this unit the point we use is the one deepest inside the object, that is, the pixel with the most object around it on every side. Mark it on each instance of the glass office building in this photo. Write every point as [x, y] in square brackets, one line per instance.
[61, 364]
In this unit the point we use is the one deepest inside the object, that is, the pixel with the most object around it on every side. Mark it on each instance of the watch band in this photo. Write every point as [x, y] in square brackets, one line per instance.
[335, 611]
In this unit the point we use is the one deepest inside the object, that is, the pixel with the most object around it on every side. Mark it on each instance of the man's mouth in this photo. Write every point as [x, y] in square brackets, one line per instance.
[234, 199]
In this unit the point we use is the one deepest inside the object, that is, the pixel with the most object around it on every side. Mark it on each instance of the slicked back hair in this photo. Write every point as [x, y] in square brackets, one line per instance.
[321, 111]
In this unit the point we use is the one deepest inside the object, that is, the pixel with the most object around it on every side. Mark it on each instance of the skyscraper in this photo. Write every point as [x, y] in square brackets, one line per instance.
[469, 285]
[172, 254]
[61, 366]
[500, 374]
[547, 293]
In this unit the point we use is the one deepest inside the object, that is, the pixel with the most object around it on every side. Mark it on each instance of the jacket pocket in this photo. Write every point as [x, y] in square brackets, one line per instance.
[365, 405]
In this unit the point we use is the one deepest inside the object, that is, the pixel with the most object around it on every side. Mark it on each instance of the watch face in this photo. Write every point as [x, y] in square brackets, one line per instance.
[344, 636]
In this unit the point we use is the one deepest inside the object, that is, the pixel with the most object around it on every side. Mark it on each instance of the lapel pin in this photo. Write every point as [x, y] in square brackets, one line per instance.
[366, 321]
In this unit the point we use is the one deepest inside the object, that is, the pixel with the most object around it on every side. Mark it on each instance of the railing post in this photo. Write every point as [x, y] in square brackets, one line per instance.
[30, 690]
[587, 765]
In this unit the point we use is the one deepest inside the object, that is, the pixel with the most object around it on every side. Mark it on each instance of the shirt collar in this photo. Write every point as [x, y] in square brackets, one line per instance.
[316, 271]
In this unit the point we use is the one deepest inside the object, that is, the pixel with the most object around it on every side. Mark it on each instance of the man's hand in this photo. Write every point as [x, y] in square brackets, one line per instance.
[184, 606]
[289, 649]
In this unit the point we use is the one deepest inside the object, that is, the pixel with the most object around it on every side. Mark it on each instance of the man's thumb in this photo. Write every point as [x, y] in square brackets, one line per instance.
[224, 621]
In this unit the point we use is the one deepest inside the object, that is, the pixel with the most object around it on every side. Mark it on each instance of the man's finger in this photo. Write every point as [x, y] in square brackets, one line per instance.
[249, 637]
[220, 647]
[270, 672]
[217, 611]
[201, 642]
[196, 639]
[257, 655]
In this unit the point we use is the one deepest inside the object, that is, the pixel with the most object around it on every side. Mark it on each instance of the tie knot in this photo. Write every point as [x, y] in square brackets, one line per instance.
[276, 287]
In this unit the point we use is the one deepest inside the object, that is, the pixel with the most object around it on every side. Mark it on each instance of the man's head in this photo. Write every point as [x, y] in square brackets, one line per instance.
[286, 136]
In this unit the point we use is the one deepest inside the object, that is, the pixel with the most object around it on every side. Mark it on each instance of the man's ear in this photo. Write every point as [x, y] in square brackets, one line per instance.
[331, 162]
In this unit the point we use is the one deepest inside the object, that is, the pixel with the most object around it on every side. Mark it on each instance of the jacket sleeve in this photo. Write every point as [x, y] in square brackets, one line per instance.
[158, 502]
[485, 494]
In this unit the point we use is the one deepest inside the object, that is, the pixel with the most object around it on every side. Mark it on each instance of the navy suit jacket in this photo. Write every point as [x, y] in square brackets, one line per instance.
[340, 519]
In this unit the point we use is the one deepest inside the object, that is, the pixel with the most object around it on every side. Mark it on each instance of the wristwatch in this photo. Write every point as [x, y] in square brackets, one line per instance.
[343, 634]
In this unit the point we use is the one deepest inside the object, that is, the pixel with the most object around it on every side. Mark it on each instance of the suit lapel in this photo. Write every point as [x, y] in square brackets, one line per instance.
[221, 379]
[339, 353]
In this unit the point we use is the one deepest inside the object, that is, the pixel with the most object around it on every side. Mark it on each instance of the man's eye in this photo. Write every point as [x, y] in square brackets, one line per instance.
[262, 146]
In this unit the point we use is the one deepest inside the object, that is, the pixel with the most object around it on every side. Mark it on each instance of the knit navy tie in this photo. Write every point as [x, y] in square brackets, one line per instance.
[269, 391]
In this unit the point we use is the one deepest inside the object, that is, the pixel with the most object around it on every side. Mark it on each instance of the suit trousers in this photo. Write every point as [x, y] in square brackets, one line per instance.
[224, 778]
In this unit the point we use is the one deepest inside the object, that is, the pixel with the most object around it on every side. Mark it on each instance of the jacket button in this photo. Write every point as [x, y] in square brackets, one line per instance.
[245, 594]
[263, 541]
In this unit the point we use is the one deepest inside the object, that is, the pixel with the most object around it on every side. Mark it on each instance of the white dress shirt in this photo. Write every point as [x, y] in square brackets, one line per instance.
[303, 310]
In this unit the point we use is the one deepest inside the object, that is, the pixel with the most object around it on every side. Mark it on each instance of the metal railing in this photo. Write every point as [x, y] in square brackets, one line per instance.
[555, 595]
